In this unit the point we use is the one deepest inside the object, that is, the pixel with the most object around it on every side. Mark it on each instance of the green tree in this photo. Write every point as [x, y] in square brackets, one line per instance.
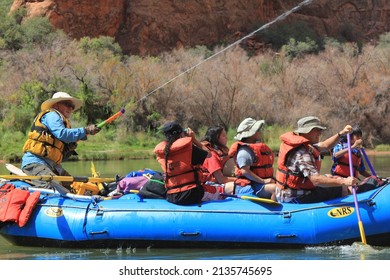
[36, 30]
[298, 49]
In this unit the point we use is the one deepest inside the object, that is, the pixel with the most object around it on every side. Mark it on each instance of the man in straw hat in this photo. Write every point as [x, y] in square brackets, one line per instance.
[298, 176]
[254, 161]
[51, 138]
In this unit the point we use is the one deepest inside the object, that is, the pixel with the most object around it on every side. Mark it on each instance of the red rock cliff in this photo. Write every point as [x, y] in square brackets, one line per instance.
[152, 26]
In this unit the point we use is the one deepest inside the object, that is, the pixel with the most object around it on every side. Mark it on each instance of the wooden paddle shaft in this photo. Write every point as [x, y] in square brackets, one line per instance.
[83, 179]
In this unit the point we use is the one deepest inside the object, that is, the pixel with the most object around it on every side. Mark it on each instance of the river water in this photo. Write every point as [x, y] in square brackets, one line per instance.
[111, 168]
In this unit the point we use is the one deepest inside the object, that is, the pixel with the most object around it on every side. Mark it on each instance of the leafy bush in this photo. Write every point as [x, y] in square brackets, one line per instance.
[100, 44]
[36, 30]
[384, 40]
[299, 49]
[11, 34]
[279, 35]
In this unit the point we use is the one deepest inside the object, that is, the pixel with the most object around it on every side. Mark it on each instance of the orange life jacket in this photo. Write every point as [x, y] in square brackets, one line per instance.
[16, 205]
[284, 177]
[342, 165]
[223, 156]
[181, 174]
[262, 166]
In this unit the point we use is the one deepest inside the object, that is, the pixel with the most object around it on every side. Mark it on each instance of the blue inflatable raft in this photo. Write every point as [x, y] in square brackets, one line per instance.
[132, 221]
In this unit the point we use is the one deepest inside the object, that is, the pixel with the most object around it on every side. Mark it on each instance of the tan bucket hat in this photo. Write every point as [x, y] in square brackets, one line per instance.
[61, 96]
[306, 124]
[248, 128]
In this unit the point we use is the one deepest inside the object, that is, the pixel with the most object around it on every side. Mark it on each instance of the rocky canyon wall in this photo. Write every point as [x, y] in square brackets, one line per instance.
[153, 26]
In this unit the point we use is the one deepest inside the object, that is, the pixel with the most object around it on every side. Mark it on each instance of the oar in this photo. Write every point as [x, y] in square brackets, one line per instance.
[368, 161]
[360, 223]
[14, 170]
[110, 119]
[96, 175]
[252, 198]
[50, 192]
[83, 179]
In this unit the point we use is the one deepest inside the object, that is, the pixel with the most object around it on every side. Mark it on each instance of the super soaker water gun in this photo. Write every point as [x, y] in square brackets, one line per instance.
[110, 119]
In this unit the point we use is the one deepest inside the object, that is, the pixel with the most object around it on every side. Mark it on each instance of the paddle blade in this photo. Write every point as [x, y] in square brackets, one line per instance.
[258, 199]
[362, 234]
[253, 198]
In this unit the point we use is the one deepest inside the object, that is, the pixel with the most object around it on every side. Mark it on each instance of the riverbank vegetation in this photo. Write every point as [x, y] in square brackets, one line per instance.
[340, 81]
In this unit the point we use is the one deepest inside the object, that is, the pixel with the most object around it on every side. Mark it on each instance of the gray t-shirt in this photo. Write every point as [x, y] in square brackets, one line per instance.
[245, 157]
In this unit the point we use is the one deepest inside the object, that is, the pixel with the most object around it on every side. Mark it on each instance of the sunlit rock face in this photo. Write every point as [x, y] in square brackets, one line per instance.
[153, 26]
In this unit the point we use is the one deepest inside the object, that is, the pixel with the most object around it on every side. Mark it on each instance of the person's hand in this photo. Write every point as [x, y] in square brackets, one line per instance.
[350, 181]
[347, 129]
[269, 181]
[91, 129]
[189, 132]
[358, 143]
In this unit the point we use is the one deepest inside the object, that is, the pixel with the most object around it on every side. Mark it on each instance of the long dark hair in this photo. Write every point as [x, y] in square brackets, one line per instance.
[172, 132]
[212, 136]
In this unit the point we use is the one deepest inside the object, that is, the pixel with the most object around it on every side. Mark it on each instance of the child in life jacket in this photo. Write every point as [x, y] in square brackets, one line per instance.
[181, 157]
[215, 140]
[340, 156]
[254, 161]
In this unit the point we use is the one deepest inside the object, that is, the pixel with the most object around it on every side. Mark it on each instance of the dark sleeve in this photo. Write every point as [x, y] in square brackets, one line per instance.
[198, 155]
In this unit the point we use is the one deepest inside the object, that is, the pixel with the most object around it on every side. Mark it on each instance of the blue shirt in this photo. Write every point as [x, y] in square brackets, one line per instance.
[56, 126]
[341, 146]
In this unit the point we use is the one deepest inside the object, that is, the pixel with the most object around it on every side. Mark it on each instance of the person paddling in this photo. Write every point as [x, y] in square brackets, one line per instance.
[51, 139]
[340, 157]
[299, 163]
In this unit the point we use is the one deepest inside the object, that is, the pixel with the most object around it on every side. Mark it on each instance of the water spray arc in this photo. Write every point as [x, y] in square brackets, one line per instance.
[265, 26]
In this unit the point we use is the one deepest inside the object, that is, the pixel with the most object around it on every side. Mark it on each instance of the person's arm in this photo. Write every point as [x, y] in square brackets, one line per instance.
[196, 142]
[221, 179]
[332, 181]
[333, 140]
[308, 168]
[214, 166]
[54, 123]
[244, 161]
[248, 173]
[338, 151]
[362, 170]
[358, 143]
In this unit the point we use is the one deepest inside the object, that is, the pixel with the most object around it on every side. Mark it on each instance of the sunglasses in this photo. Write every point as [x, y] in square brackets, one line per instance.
[68, 104]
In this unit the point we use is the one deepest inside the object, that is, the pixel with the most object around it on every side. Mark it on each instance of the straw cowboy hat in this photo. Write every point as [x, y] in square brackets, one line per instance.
[248, 128]
[306, 124]
[61, 96]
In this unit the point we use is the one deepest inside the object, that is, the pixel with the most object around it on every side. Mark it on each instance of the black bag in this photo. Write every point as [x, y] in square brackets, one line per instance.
[369, 183]
[154, 187]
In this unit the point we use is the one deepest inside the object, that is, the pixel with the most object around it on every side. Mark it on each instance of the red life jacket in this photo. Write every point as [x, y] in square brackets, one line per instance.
[263, 165]
[181, 174]
[342, 165]
[284, 177]
[222, 156]
[16, 205]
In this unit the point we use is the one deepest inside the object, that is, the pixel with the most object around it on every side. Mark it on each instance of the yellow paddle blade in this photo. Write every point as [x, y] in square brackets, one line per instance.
[258, 199]
[362, 234]
[253, 198]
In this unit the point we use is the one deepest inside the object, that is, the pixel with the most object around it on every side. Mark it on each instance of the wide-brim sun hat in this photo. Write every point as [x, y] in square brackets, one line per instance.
[248, 128]
[59, 97]
[306, 124]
